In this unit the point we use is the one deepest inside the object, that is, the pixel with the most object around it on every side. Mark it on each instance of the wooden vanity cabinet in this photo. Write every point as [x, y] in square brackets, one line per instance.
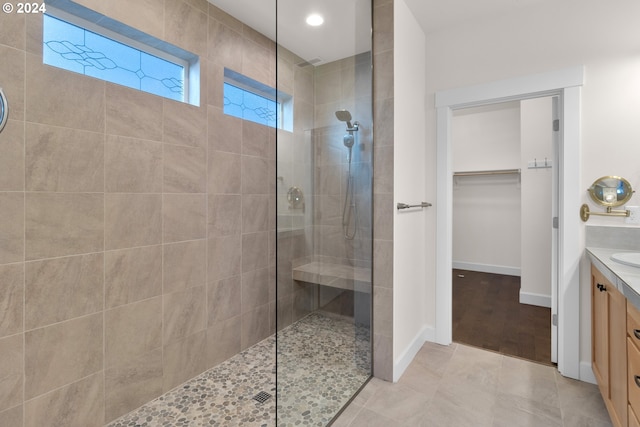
[633, 357]
[609, 345]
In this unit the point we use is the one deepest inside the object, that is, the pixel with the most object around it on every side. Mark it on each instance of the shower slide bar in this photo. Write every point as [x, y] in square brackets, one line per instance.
[406, 206]
[488, 172]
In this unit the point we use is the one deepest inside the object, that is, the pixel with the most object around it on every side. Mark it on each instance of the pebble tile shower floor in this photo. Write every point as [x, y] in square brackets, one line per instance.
[320, 366]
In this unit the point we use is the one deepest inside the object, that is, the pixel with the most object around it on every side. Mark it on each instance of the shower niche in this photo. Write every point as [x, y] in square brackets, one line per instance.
[324, 187]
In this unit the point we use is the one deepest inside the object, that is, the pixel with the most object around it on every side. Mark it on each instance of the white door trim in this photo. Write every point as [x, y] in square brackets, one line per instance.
[566, 84]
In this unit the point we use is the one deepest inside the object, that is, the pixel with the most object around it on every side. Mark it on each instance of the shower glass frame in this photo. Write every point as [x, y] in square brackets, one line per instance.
[324, 292]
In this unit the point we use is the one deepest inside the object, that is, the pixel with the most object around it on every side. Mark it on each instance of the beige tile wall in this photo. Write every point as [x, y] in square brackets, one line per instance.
[294, 300]
[136, 240]
[383, 189]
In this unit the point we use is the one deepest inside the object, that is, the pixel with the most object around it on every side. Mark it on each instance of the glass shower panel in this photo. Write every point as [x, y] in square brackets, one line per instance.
[324, 209]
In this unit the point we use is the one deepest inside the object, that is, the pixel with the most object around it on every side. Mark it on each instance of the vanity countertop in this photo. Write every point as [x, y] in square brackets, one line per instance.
[625, 277]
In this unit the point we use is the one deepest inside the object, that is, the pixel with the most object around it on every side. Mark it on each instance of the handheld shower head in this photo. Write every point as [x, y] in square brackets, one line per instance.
[344, 116]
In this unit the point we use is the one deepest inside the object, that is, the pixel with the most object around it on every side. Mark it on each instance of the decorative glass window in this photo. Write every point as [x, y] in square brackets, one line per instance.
[109, 56]
[251, 100]
[250, 106]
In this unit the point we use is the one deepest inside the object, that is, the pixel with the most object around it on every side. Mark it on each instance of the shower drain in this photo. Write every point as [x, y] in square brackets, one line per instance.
[261, 397]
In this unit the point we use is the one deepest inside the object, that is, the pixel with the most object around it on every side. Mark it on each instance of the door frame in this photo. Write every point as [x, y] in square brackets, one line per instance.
[566, 84]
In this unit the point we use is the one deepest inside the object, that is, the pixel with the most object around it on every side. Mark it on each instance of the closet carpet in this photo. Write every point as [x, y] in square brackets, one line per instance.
[487, 314]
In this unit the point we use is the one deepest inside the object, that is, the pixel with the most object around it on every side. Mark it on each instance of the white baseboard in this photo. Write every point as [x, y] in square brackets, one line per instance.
[487, 268]
[535, 299]
[428, 333]
[586, 373]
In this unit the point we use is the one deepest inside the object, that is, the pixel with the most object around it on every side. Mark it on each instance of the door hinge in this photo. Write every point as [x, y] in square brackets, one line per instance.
[554, 320]
[556, 125]
[555, 222]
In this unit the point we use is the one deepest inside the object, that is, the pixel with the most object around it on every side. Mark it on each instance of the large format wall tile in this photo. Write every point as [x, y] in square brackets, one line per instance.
[12, 157]
[63, 224]
[12, 30]
[132, 275]
[144, 15]
[223, 218]
[258, 63]
[11, 371]
[62, 353]
[185, 124]
[62, 98]
[12, 75]
[255, 326]
[186, 26]
[11, 227]
[223, 341]
[132, 220]
[184, 313]
[255, 175]
[132, 165]
[133, 113]
[132, 385]
[255, 138]
[255, 251]
[224, 45]
[11, 417]
[183, 360]
[184, 265]
[224, 257]
[255, 213]
[132, 330]
[62, 159]
[63, 288]
[255, 289]
[78, 404]
[11, 299]
[185, 169]
[213, 89]
[229, 130]
[223, 300]
[184, 217]
[224, 173]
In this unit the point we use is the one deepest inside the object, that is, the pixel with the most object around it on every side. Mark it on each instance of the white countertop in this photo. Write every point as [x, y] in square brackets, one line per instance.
[625, 277]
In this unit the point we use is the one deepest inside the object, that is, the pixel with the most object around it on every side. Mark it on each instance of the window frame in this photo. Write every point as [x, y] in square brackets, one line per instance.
[247, 84]
[91, 21]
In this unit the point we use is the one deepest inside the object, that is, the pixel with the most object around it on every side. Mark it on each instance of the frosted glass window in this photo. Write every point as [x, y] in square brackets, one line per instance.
[247, 105]
[77, 49]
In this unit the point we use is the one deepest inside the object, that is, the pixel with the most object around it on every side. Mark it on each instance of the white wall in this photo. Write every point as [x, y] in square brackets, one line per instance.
[536, 144]
[547, 36]
[413, 261]
[486, 209]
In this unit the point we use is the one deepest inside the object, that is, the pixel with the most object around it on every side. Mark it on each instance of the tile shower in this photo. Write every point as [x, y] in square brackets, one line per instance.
[138, 235]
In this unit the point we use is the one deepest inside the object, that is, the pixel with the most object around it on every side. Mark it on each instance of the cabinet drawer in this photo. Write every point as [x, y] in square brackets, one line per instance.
[633, 420]
[633, 355]
[633, 324]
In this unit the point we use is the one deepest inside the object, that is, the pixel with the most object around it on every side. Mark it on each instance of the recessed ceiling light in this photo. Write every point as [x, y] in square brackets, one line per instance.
[315, 20]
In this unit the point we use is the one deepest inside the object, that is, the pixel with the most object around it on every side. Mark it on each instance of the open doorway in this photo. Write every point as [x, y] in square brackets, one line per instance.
[503, 190]
[566, 84]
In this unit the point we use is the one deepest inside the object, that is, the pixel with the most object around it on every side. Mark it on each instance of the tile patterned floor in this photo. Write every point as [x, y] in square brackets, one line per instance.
[320, 366]
[460, 386]
[452, 386]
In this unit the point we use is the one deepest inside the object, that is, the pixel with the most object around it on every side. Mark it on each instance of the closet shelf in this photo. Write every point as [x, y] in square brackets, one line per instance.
[488, 172]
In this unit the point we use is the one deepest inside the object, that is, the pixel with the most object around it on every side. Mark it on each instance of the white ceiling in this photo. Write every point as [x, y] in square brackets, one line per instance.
[339, 37]
[342, 34]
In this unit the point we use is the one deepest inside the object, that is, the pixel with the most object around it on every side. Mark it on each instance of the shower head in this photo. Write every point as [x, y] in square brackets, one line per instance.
[344, 116]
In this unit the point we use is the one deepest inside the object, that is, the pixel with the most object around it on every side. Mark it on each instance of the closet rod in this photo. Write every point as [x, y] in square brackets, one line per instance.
[488, 172]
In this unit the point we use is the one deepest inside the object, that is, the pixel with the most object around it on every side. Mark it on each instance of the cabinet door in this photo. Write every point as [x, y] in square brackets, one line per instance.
[609, 345]
[617, 310]
[599, 331]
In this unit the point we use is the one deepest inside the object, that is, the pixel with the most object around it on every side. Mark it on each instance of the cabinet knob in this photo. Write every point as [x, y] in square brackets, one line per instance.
[636, 332]
[601, 287]
[636, 378]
